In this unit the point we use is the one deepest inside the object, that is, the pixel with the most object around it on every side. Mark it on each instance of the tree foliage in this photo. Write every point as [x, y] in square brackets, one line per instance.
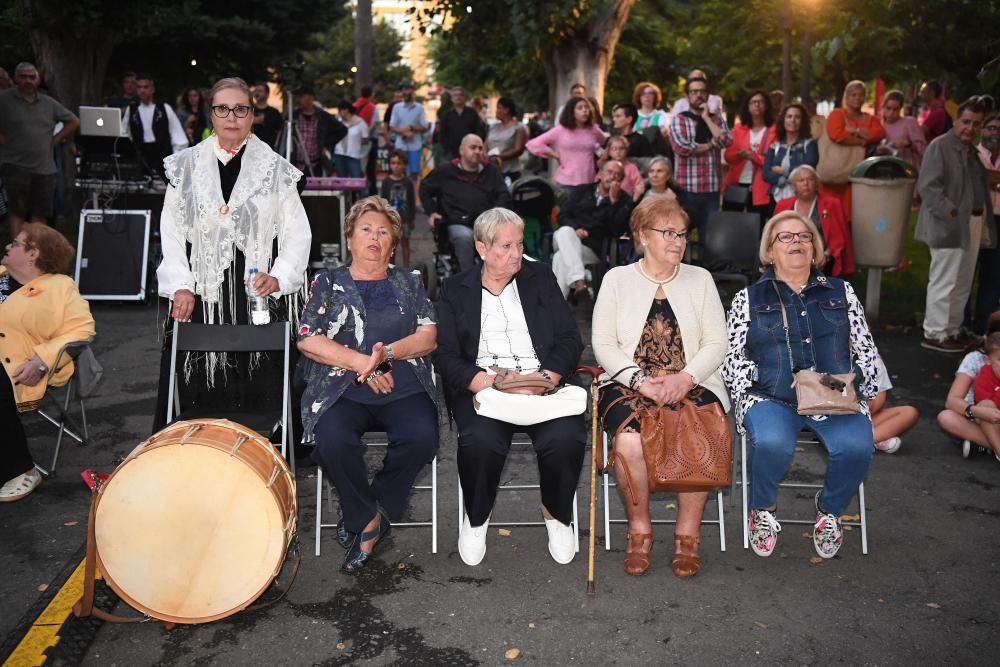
[328, 68]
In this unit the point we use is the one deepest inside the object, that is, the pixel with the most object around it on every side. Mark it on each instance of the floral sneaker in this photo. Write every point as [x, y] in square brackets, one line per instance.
[828, 533]
[763, 528]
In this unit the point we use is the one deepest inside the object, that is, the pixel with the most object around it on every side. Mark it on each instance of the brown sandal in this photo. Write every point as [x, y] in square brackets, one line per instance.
[685, 565]
[637, 562]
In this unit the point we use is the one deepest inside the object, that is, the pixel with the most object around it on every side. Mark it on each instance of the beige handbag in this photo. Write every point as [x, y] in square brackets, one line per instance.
[820, 393]
[836, 160]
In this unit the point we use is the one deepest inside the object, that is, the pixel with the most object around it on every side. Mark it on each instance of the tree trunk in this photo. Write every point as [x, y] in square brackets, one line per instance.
[72, 68]
[586, 56]
[363, 45]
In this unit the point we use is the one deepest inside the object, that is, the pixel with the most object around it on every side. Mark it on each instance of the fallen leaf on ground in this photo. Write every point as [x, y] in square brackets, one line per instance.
[933, 605]
[762, 626]
[815, 560]
[71, 523]
[881, 600]
[850, 517]
[512, 654]
[42, 588]
[402, 566]
[503, 532]
[341, 646]
[531, 625]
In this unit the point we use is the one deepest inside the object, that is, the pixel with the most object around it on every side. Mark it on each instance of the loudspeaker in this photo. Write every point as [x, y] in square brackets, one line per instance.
[111, 255]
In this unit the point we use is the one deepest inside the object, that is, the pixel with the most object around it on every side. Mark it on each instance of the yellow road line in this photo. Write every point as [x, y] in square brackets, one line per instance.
[44, 632]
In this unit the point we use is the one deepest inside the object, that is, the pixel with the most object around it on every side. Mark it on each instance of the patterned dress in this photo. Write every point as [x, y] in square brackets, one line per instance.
[660, 352]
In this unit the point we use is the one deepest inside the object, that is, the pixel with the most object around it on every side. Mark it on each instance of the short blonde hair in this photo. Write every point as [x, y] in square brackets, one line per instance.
[852, 85]
[767, 238]
[652, 209]
[490, 221]
[374, 204]
[233, 82]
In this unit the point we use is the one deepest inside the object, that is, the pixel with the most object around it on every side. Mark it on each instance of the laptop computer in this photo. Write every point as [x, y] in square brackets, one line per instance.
[101, 122]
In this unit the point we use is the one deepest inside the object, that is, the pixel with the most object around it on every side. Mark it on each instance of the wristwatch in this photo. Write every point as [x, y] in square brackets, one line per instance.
[388, 353]
[42, 368]
[968, 411]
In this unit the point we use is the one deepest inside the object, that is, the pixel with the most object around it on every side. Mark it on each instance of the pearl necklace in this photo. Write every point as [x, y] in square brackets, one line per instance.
[659, 283]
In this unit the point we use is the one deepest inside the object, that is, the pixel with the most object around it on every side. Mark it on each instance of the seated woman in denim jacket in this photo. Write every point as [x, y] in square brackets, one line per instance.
[369, 330]
[826, 331]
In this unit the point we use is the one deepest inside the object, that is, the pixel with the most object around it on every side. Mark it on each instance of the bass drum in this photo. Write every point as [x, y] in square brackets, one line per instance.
[194, 525]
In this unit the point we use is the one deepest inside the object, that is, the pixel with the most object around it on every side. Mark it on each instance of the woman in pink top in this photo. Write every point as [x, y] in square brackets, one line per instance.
[572, 143]
[903, 137]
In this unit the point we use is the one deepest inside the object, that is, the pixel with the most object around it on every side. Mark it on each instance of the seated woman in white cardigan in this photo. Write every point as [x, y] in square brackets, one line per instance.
[659, 332]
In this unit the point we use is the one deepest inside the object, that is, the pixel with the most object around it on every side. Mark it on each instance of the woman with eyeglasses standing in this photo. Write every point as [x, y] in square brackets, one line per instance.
[232, 206]
[659, 332]
[796, 318]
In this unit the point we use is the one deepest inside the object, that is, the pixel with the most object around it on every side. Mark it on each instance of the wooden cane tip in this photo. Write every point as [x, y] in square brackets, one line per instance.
[591, 589]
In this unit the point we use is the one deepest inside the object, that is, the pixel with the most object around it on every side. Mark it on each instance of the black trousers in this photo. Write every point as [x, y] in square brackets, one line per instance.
[411, 424]
[483, 444]
[988, 292]
[15, 459]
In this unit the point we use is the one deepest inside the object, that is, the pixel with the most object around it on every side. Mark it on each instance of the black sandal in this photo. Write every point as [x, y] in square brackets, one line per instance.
[344, 536]
[356, 559]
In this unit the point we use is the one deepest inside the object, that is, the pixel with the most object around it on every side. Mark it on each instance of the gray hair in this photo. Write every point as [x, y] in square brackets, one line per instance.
[25, 67]
[660, 158]
[489, 222]
[801, 169]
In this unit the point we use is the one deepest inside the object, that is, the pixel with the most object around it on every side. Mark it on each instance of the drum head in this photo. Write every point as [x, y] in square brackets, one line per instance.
[188, 533]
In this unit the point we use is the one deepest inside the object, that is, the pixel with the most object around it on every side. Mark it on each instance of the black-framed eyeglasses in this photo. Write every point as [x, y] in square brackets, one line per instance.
[670, 234]
[789, 237]
[222, 111]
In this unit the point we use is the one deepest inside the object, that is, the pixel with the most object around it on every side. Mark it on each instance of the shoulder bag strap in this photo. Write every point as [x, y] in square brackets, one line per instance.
[784, 319]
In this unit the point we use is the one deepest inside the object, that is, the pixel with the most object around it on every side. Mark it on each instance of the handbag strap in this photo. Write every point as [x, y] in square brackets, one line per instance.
[784, 319]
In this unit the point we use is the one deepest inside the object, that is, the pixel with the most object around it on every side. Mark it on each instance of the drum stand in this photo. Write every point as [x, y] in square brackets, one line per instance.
[85, 606]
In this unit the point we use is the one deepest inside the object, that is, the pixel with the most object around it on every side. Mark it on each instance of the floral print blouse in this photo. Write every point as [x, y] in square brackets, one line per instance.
[335, 310]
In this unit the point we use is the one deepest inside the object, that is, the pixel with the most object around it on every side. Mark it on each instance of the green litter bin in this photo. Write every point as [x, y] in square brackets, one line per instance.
[881, 197]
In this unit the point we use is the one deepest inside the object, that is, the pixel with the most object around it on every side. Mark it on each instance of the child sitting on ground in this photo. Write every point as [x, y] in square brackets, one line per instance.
[889, 423]
[986, 390]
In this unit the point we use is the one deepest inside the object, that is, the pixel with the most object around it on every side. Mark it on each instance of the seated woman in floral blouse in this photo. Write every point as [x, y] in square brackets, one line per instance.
[368, 331]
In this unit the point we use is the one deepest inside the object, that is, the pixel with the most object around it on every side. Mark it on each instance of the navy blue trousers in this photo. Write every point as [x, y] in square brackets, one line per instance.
[411, 424]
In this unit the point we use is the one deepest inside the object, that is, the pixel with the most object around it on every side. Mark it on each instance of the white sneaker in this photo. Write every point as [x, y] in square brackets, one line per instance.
[889, 445]
[472, 542]
[20, 486]
[562, 541]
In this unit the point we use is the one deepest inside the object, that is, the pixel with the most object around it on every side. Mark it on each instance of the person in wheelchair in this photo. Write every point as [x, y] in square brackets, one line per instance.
[586, 219]
[455, 193]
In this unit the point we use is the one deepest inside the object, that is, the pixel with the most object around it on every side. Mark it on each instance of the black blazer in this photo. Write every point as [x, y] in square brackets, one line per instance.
[554, 332]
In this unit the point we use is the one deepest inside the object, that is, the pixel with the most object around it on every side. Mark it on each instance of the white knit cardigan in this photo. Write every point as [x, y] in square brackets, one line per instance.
[620, 315]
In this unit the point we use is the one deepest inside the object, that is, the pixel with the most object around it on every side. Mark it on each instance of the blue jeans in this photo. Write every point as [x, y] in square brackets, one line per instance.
[347, 167]
[772, 428]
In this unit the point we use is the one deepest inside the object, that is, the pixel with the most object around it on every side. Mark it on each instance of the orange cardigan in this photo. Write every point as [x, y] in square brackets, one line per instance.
[759, 188]
[838, 123]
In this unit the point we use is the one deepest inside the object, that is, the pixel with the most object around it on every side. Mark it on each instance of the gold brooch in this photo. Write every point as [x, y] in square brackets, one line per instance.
[225, 209]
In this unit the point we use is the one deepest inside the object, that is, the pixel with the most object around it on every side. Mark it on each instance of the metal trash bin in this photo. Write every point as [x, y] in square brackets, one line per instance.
[881, 197]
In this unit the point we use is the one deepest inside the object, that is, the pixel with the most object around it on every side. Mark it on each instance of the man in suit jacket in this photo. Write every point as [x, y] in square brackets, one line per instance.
[955, 213]
[529, 329]
[586, 219]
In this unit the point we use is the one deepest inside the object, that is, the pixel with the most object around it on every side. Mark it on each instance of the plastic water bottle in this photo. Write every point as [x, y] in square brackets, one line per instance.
[260, 313]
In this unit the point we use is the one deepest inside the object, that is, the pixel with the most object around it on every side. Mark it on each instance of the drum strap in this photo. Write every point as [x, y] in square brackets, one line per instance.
[85, 606]
[293, 552]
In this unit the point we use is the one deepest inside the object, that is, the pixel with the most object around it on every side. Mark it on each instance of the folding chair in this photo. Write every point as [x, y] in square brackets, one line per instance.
[731, 244]
[607, 484]
[203, 338]
[85, 377]
[515, 488]
[745, 484]
[432, 523]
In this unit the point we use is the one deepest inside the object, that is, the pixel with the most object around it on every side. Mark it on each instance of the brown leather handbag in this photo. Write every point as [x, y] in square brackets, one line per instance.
[686, 447]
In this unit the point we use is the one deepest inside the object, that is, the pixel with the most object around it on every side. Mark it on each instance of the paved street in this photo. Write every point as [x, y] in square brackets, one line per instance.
[925, 594]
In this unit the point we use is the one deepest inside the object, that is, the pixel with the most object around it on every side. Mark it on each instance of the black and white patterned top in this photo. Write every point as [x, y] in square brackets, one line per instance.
[740, 372]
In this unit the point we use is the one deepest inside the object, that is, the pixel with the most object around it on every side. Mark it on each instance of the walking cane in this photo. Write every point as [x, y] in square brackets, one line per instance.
[595, 457]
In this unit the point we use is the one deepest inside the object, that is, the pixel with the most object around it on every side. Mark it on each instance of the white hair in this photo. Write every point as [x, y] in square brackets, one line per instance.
[801, 169]
[489, 222]
[25, 67]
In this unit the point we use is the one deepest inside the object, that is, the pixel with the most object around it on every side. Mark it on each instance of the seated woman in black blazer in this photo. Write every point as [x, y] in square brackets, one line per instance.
[508, 315]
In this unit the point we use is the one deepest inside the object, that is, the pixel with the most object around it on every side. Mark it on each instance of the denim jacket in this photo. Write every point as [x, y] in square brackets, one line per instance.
[803, 151]
[335, 309]
[827, 332]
